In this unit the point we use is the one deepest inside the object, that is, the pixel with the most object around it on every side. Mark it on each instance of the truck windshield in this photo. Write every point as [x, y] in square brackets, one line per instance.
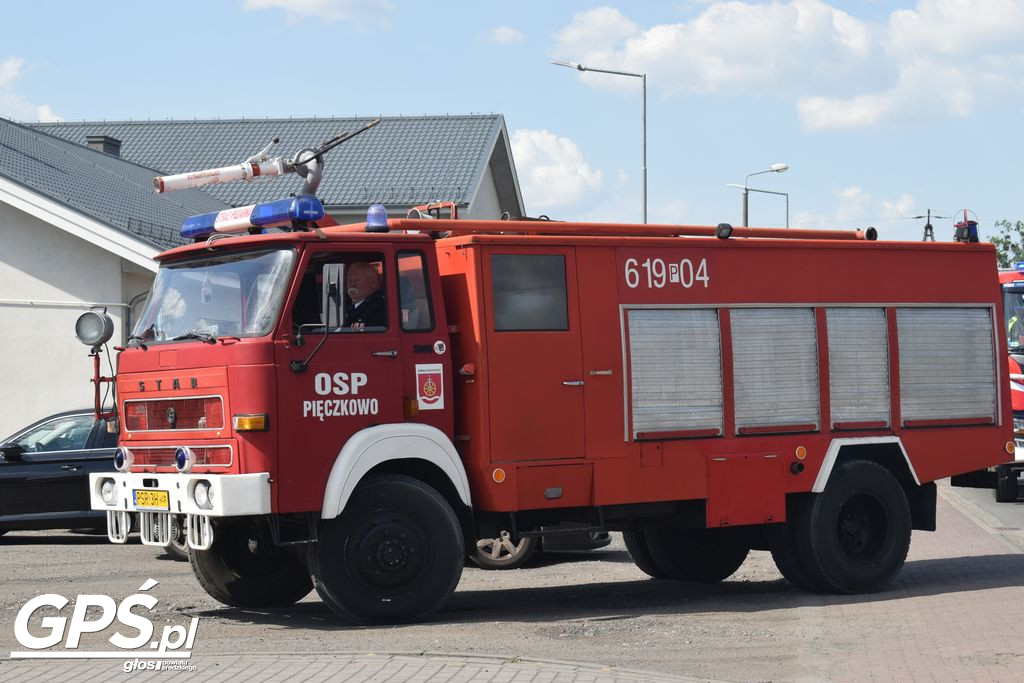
[1013, 316]
[236, 294]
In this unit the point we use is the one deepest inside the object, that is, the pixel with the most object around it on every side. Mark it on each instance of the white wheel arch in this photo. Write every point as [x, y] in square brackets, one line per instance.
[375, 445]
[837, 444]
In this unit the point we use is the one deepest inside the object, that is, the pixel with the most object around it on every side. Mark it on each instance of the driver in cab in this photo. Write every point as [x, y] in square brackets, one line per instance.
[367, 309]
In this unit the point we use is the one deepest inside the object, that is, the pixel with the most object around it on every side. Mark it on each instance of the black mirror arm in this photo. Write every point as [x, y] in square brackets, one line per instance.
[301, 365]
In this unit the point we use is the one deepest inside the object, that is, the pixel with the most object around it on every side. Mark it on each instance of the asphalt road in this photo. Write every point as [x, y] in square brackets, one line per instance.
[950, 615]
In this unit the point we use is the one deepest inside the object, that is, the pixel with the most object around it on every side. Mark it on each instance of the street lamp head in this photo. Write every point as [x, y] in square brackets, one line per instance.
[571, 65]
[778, 168]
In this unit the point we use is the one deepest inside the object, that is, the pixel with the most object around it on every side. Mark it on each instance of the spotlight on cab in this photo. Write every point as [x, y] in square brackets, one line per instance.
[94, 329]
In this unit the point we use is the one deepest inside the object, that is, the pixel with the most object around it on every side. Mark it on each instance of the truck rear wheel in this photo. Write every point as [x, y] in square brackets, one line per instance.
[782, 543]
[395, 554]
[854, 537]
[705, 555]
[636, 544]
[1007, 489]
[243, 568]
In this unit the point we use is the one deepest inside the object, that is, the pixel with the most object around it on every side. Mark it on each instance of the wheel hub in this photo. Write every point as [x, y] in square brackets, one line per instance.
[387, 554]
[863, 528]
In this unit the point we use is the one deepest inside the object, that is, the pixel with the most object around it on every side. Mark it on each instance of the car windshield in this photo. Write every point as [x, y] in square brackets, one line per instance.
[1013, 316]
[236, 294]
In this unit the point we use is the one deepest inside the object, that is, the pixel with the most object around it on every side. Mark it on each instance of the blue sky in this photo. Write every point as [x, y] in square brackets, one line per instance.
[883, 109]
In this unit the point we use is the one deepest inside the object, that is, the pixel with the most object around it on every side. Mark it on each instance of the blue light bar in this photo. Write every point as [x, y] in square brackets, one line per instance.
[304, 207]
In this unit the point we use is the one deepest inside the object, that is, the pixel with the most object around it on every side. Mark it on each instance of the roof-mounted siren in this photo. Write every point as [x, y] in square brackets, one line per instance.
[297, 211]
[967, 228]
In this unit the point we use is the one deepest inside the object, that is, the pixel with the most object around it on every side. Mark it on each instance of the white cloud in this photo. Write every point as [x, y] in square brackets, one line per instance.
[505, 35]
[940, 58]
[552, 171]
[856, 209]
[359, 12]
[10, 69]
[15, 106]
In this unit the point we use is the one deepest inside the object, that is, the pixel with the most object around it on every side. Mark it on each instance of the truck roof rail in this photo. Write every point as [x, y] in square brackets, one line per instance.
[722, 231]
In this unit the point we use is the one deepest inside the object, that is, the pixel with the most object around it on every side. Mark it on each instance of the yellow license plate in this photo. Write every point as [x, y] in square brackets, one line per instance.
[155, 500]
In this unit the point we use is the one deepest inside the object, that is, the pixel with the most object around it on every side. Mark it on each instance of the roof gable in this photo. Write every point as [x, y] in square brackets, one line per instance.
[401, 162]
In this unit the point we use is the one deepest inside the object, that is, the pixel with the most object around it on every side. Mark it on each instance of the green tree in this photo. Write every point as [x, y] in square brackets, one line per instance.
[1009, 242]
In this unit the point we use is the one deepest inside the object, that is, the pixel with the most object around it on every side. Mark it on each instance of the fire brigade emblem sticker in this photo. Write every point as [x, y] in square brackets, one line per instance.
[430, 386]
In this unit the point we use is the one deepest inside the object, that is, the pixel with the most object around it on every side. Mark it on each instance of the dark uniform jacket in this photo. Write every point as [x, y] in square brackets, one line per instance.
[371, 312]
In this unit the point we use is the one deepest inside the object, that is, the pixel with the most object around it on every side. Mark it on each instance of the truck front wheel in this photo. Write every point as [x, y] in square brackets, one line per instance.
[243, 568]
[395, 554]
[854, 537]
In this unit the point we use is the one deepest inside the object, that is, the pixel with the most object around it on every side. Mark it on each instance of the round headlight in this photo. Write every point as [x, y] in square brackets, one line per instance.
[123, 459]
[93, 328]
[108, 491]
[184, 458]
[202, 494]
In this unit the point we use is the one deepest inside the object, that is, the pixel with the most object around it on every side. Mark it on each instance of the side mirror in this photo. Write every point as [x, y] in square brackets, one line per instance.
[333, 312]
[11, 451]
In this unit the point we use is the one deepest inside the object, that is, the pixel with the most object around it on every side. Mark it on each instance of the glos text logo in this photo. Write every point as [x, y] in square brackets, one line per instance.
[174, 643]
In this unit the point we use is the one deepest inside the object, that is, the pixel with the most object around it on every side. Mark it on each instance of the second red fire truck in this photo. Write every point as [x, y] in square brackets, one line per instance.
[707, 391]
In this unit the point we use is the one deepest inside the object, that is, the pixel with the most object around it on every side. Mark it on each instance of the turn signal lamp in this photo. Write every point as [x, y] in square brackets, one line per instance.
[250, 423]
[304, 207]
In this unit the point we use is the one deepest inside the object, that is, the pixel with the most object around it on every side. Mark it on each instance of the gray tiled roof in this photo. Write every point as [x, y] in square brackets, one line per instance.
[401, 162]
[110, 190]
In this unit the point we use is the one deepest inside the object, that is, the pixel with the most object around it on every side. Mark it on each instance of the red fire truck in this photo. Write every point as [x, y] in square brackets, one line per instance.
[1007, 474]
[705, 390]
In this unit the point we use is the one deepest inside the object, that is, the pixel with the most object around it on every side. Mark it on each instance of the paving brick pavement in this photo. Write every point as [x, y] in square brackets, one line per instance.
[351, 668]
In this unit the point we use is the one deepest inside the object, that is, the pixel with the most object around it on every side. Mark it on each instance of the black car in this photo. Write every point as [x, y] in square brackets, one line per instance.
[44, 472]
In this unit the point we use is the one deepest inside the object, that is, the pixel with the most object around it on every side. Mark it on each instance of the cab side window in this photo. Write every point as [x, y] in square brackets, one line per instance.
[413, 293]
[362, 299]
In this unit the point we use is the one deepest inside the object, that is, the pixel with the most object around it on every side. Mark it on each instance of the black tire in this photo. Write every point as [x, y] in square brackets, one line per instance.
[502, 553]
[243, 568]
[1007, 490]
[854, 537]
[636, 544]
[705, 555]
[394, 555]
[782, 544]
[178, 548]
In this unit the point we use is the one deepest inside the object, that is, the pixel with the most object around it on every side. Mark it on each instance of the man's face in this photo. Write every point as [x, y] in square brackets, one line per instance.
[361, 282]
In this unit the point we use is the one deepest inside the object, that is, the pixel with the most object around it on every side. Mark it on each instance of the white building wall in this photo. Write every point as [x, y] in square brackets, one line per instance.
[47, 278]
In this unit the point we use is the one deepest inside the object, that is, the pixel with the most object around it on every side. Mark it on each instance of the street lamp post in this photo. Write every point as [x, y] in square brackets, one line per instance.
[774, 168]
[643, 79]
[754, 189]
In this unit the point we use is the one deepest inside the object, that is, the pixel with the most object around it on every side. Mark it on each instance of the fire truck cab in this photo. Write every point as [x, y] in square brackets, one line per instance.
[350, 407]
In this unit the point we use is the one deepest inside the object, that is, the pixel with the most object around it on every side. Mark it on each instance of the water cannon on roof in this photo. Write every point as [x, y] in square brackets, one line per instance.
[296, 211]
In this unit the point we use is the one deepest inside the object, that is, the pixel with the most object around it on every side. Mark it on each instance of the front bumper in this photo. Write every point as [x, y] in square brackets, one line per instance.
[231, 495]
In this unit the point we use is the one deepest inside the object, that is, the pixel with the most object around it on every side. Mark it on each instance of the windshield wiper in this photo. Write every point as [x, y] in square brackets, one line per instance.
[201, 336]
[143, 338]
